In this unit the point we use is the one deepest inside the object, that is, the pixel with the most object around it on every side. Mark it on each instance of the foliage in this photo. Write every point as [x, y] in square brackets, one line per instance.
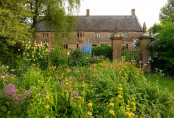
[14, 99]
[77, 58]
[103, 50]
[53, 10]
[162, 47]
[164, 81]
[13, 29]
[33, 54]
[100, 90]
[155, 28]
[167, 11]
[58, 56]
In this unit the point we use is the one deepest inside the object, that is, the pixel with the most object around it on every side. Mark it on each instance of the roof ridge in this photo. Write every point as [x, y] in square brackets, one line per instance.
[106, 15]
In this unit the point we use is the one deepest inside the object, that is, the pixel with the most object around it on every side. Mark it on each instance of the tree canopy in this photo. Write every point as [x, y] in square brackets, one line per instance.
[13, 28]
[167, 11]
[54, 13]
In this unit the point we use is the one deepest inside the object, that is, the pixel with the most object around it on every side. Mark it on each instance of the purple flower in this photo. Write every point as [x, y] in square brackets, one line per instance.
[74, 94]
[3, 66]
[10, 90]
[12, 74]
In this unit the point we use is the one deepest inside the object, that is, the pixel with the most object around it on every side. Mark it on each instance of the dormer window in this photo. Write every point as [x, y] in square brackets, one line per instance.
[80, 34]
[45, 35]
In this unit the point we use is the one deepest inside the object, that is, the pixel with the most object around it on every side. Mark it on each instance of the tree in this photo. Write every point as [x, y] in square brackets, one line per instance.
[13, 28]
[154, 29]
[162, 48]
[54, 13]
[167, 11]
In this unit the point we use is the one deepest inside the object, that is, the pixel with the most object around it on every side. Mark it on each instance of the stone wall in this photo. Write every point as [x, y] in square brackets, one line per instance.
[104, 38]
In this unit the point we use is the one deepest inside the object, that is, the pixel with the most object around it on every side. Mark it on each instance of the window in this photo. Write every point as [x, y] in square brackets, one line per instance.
[97, 34]
[65, 46]
[64, 35]
[127, 46]
[94, 45]
[77, 46]
[110, 35]
[125, 34]
[80, 34]
[45, 35]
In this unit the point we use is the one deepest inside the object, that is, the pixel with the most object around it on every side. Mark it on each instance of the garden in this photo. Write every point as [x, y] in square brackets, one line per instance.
[79, 84]
[43, 80]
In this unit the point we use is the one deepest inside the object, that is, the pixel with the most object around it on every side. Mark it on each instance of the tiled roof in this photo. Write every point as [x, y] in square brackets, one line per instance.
[127, 23]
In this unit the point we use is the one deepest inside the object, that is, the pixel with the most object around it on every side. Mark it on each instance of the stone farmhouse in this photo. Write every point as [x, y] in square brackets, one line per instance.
[98, 30]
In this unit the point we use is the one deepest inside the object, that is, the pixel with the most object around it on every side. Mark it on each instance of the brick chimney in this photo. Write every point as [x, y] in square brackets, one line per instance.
[133, 12]
[87, 12]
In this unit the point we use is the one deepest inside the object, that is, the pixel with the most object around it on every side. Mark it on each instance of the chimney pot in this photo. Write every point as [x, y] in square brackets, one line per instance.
[133, 12]
[87, 12]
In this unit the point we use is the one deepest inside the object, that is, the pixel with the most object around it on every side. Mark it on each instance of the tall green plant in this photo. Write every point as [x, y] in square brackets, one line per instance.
[162, 48]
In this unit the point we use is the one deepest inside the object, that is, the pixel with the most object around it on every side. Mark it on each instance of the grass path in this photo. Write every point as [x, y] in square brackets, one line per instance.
[164, 82]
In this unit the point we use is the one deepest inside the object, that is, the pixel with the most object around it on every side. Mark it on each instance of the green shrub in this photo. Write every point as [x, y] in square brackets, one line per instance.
[162, 48]
[103, 50]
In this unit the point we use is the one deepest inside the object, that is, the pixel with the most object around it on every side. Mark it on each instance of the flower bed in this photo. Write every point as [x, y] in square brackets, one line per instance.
[100, 90]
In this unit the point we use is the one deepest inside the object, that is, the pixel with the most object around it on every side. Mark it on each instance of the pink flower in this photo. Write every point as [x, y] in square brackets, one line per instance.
[49, 48]
[12, 74]
[10, 90]
[74, 94]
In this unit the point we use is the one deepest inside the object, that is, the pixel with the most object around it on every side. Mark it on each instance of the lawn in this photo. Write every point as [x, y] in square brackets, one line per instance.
[164, 82]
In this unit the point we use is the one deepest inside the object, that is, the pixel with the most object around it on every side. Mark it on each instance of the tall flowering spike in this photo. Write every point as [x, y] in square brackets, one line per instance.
[90, 49]
[88, 46]
[49, 48]
[85, 47]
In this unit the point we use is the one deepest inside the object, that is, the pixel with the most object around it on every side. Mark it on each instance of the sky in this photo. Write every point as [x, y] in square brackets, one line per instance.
[146, 10]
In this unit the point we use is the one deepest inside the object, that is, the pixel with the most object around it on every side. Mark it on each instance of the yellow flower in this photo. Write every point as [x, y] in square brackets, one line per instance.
[128, 109]
[133, 99]
[111, 104]
[111, 112]
[47, 106]
[66, 91]
[46, 116]
[128, 114]
[133, 103]
[132, 114]
[80, 106]
[119, 85]
[90, 113]
[83, 85]
[120, 89]
[80, 97]
[86, 57]
[119, 96]
[47, 97]
[90, 104]
[66, 83]
[127, 105]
